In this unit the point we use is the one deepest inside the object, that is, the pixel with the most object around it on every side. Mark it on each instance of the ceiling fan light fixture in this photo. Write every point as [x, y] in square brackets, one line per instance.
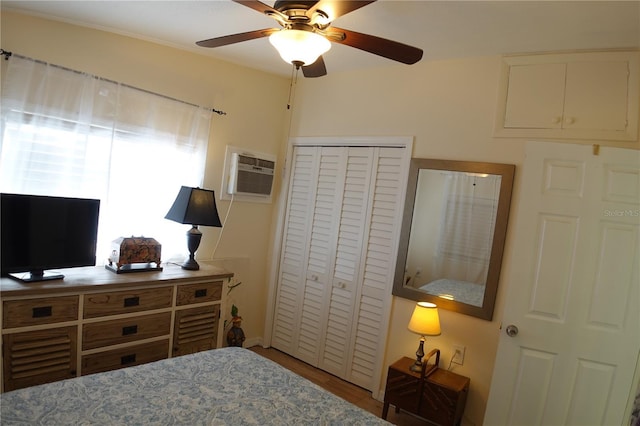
[298, 46]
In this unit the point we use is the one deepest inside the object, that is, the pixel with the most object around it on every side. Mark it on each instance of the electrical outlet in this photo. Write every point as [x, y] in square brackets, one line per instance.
[458, 354]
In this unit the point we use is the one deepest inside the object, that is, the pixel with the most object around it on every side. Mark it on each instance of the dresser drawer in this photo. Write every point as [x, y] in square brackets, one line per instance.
[198, 293]
[21, 313]
[106, 333]
[125, 357]
[122, 302]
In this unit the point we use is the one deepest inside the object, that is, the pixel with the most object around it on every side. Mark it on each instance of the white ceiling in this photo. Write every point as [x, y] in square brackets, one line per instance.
[443, 29]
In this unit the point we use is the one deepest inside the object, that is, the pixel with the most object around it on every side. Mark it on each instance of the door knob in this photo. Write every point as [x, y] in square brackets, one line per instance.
[511, 330]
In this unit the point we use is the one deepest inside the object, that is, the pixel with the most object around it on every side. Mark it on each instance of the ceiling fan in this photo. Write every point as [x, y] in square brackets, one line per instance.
[307, 33]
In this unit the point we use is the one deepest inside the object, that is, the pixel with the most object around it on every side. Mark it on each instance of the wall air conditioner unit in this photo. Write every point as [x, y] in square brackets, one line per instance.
[250, 175]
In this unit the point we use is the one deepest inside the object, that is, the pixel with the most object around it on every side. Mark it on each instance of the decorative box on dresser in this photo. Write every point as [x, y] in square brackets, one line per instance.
[95, 320]
[438, 396]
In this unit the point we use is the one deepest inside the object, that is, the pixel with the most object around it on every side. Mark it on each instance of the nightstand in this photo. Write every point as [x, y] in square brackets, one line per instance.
[438, 396]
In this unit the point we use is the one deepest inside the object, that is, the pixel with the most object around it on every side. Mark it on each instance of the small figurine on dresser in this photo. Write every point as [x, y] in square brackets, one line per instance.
[235, 336]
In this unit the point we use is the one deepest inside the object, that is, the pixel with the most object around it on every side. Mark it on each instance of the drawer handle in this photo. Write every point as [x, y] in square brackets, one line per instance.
[132, 329]
[41, 312]
[128, 359]
[201, 293]
[131, 301]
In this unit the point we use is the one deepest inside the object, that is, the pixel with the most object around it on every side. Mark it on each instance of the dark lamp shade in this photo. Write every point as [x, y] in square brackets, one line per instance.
[195, 206]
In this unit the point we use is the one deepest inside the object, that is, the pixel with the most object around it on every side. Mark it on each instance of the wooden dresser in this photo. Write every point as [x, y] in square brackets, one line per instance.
[95, 320]
[439, 396]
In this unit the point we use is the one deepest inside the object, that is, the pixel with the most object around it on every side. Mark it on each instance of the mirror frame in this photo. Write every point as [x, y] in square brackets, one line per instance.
[507, 171]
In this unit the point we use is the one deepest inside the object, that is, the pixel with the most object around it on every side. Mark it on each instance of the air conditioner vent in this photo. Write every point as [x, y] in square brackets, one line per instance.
[250, 175]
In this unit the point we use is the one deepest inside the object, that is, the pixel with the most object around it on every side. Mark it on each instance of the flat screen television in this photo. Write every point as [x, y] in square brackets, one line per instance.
[39, 233]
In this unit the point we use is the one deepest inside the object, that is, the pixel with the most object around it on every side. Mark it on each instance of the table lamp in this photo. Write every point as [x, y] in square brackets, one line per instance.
[425, 322]
[194, 206]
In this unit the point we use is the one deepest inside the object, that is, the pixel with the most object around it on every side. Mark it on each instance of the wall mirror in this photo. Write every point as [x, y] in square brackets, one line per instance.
[453, 234]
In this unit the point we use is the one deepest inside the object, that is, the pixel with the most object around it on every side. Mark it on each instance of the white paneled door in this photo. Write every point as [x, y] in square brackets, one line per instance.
[338, 257]
[570, 337]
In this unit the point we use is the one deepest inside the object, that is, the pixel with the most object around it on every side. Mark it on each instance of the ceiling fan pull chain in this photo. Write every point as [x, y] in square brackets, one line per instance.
[294, 81]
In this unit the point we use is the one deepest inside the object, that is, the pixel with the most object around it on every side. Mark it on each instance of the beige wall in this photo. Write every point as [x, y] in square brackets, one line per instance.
[448, 106]
[253, 101]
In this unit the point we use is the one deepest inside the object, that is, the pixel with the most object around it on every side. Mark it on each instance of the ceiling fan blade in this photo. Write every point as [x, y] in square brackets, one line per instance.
[336, 8]
[316, 69]
[378, 46]
[258, 6]
[236, 38]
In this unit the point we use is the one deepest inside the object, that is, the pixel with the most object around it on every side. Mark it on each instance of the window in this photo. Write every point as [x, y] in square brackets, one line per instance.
[66, 133]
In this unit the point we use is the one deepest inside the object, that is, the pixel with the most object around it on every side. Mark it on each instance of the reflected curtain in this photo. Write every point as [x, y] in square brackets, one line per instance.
[470, 203]
[68, 133]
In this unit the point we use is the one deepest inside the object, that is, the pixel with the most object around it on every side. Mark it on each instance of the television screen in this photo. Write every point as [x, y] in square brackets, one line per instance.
[38, 233]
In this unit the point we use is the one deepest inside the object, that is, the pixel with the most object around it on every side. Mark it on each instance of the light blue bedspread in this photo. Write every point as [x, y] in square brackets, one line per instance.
[229, 386]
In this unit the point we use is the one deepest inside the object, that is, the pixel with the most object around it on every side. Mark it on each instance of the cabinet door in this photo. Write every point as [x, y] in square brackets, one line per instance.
[195, 330]
[38, 357]
[535, 97]
[596, 96]
[583, 96]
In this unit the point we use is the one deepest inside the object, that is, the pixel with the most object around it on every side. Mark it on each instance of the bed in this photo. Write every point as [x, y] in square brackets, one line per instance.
[228, 386]
[461, 291]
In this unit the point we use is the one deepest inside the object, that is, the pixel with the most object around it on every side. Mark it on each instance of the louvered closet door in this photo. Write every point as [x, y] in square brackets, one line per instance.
[308, 251]
[351, 214]
[373, 295]
[322, 242]
[336, 266]
[294, 252]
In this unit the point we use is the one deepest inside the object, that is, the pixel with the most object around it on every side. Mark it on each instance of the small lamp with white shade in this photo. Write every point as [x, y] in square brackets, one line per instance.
[425, 322]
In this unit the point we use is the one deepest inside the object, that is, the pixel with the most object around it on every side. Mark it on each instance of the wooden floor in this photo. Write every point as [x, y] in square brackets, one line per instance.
[352, 393]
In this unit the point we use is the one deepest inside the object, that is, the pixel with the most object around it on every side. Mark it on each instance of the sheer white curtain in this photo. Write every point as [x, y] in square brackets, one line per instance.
[67, 133]
[465, 239]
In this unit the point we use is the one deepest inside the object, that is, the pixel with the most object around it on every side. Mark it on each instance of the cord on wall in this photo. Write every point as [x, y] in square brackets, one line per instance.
[224, 223]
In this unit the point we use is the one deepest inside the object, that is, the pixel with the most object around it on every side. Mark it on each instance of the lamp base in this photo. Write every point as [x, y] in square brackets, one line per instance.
[193, 242]
[416, 367]
[191, 265]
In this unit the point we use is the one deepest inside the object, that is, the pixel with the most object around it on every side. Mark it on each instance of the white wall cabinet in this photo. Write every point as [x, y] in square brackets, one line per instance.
[337, 258]
[592, 96]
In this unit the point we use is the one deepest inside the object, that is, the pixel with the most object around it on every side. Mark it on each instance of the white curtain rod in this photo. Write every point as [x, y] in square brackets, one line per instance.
[8, 54]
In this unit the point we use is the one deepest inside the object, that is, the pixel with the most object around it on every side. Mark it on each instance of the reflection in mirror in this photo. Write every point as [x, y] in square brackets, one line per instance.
[453, 233]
